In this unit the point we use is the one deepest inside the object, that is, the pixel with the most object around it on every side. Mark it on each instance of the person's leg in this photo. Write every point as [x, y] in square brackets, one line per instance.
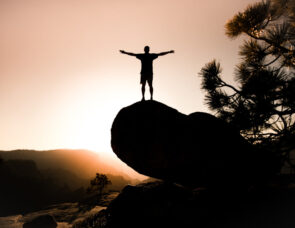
[150, 82]
[143, 89]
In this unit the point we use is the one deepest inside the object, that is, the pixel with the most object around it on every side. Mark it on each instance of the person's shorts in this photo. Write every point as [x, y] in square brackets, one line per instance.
[146, 77]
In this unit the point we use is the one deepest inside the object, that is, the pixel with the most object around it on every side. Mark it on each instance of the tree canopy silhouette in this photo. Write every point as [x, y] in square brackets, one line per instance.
[262, 103]
[99, 183]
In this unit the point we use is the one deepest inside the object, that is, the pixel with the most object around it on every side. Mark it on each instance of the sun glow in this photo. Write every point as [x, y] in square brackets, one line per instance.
[91, 112]
[63, 79]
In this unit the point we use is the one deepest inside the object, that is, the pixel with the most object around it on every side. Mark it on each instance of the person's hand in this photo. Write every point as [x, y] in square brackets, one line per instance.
[172, 51]
[122, 51]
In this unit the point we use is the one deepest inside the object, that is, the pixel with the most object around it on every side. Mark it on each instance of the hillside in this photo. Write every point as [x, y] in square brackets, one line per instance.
[32, 180]
[83, 163]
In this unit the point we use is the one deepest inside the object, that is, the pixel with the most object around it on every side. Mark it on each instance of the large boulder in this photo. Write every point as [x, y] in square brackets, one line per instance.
[196, 150]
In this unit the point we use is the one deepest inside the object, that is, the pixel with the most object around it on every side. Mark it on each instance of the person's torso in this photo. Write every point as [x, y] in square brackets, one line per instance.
[147, 62]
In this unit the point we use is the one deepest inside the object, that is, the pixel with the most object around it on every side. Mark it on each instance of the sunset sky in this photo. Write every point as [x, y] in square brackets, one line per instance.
[63, 80]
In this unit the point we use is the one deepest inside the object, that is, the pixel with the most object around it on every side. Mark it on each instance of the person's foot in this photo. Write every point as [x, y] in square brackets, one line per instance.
[151, 98]
[143, 99]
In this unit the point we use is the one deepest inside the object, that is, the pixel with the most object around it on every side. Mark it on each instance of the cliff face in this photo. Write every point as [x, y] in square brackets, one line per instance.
[194, 150]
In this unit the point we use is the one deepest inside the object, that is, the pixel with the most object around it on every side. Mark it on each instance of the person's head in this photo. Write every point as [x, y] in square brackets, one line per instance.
[146, 49]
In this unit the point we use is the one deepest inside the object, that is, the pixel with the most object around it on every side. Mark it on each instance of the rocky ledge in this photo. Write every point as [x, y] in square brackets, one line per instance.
[196, 150]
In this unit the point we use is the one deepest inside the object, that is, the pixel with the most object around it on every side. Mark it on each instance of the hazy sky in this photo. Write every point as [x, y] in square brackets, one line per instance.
[63, 80]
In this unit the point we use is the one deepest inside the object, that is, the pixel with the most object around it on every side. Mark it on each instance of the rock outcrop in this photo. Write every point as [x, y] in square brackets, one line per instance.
[162, 204]
[154, 204]
[196, 150]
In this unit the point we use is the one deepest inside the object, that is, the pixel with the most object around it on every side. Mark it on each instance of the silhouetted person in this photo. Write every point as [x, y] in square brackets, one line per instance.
[146, 73]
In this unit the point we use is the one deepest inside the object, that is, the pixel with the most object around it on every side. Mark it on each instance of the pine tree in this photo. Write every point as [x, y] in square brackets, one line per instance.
[262, 104]
[98, 184]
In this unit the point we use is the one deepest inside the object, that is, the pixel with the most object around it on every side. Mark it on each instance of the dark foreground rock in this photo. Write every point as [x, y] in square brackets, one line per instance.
[159, 205]
[153, 204]
[44, 221]
[193, 150]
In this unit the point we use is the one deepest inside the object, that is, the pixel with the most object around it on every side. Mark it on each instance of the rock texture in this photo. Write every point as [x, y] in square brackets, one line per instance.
[44, 221]
[160, 204]
[194, 150]
[154, 204]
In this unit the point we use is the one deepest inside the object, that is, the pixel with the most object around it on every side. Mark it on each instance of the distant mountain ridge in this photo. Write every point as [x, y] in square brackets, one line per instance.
[83, 163]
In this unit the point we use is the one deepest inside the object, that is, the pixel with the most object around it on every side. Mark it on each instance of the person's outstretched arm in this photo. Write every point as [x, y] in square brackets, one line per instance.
[127, 53]
[165, 53]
